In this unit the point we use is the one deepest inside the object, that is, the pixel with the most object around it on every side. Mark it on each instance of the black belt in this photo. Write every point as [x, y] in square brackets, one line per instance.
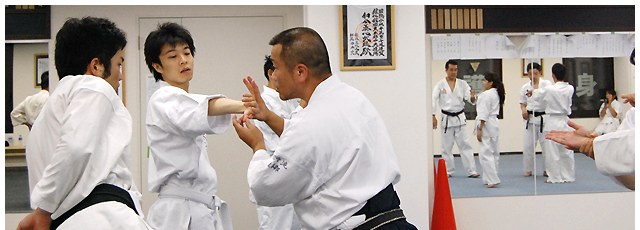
[451, 114]
[101, 193]
[382, 209]
[536, 114]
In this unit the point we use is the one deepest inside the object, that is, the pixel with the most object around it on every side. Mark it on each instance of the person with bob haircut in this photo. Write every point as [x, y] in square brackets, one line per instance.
[78, 152]
[177, 124]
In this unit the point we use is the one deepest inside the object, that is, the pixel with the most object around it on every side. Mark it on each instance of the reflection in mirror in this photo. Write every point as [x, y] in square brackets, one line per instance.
[589, 66]
[22, 67]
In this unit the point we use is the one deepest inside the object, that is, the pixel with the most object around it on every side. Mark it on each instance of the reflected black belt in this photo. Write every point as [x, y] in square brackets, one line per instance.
[101, 193]
[382, 209]
[536, 114]
[451, 114]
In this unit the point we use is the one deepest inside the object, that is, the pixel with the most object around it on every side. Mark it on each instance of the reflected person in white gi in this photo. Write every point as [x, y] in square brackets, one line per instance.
[177, 124]
[335, 158]
[556, 100]
[609, 111]
[488, 128]
[27, 111]
[451, 92]
[280, 217]
[532, 112]
[78, 152]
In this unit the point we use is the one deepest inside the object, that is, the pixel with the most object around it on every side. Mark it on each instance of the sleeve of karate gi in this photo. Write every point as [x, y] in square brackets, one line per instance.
[279, 180]
[615, 153]
[482, 107]
[523, 95]
[18, 114]
[617, 107]
[81, 141]
[434, 98]
[187, 114]
[467, 91]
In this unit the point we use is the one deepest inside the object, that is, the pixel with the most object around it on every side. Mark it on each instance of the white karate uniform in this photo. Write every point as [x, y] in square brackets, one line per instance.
[609, 123]
[532, 135]
[333, 156]
[177, 122]
[488, 107]
[81, 140]
[28, 110]
[615, 152]
[559, 161]
[280, 217]
[453, 101]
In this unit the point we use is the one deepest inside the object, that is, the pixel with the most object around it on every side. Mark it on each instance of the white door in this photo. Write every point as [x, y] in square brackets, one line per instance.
[227, 50]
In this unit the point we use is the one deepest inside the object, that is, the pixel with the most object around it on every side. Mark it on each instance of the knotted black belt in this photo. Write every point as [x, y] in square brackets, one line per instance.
[101, 193]
[451, 114]
[536, 114]
[381, 209]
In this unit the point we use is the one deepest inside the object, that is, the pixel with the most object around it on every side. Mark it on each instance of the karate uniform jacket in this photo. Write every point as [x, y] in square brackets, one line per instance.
[533, 103]
[28, 110]
[176, 123]
[451, 101]
[334, 155]
[488, 107]
[81, 140]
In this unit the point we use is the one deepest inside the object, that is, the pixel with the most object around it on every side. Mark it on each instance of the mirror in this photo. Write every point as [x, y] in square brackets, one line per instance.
[21, 63]
[590, 70]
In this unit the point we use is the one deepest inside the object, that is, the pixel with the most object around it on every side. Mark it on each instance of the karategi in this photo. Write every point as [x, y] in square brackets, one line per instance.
[533, 131]
[488, 107]
[179, 167]
[79, 142]
[609, 123]
[334, 155]
[615, 152]
[559, 161]
[28, 110]
[453, 123]
[280, 217]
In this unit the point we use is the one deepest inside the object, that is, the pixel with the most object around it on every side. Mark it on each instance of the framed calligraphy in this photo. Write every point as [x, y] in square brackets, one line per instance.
[367, 38]
[41, 65]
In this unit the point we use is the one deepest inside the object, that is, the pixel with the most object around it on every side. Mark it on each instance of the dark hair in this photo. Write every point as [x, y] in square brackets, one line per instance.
[302, 45]
[558, 70]
[613, 92]
[81, 40]
[496, 83]
[167, 33]
[268, 65]
[535, 66]
[44, 80]
[632, 57]
[450, 62]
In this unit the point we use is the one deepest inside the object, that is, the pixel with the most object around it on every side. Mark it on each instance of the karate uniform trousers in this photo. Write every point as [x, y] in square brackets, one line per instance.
[80, 140]
[279, 217]
[460, 135]
[559, 160]
[488, 107]
[179, 166]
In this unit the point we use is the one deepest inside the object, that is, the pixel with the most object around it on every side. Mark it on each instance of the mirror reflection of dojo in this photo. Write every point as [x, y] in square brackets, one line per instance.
[586, 101]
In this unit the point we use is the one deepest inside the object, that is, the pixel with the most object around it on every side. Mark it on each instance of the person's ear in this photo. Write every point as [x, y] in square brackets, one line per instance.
[270, 73]
[95, 68]
[157, 67]
[301, 72]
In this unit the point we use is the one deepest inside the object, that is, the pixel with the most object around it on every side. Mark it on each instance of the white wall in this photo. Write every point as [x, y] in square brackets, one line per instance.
[24, 80]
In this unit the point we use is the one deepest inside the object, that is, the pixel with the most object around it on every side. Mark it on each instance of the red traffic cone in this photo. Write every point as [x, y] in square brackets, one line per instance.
[443, 217]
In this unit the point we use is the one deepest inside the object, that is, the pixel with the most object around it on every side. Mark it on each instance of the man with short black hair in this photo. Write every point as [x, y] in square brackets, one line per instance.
[451, 93]
[335, 159]
[78, 151]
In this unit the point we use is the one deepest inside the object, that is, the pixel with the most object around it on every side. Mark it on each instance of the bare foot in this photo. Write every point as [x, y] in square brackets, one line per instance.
[492, 185]
[545, 174]
[474, 176]
[528, 174]
[448, 175]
